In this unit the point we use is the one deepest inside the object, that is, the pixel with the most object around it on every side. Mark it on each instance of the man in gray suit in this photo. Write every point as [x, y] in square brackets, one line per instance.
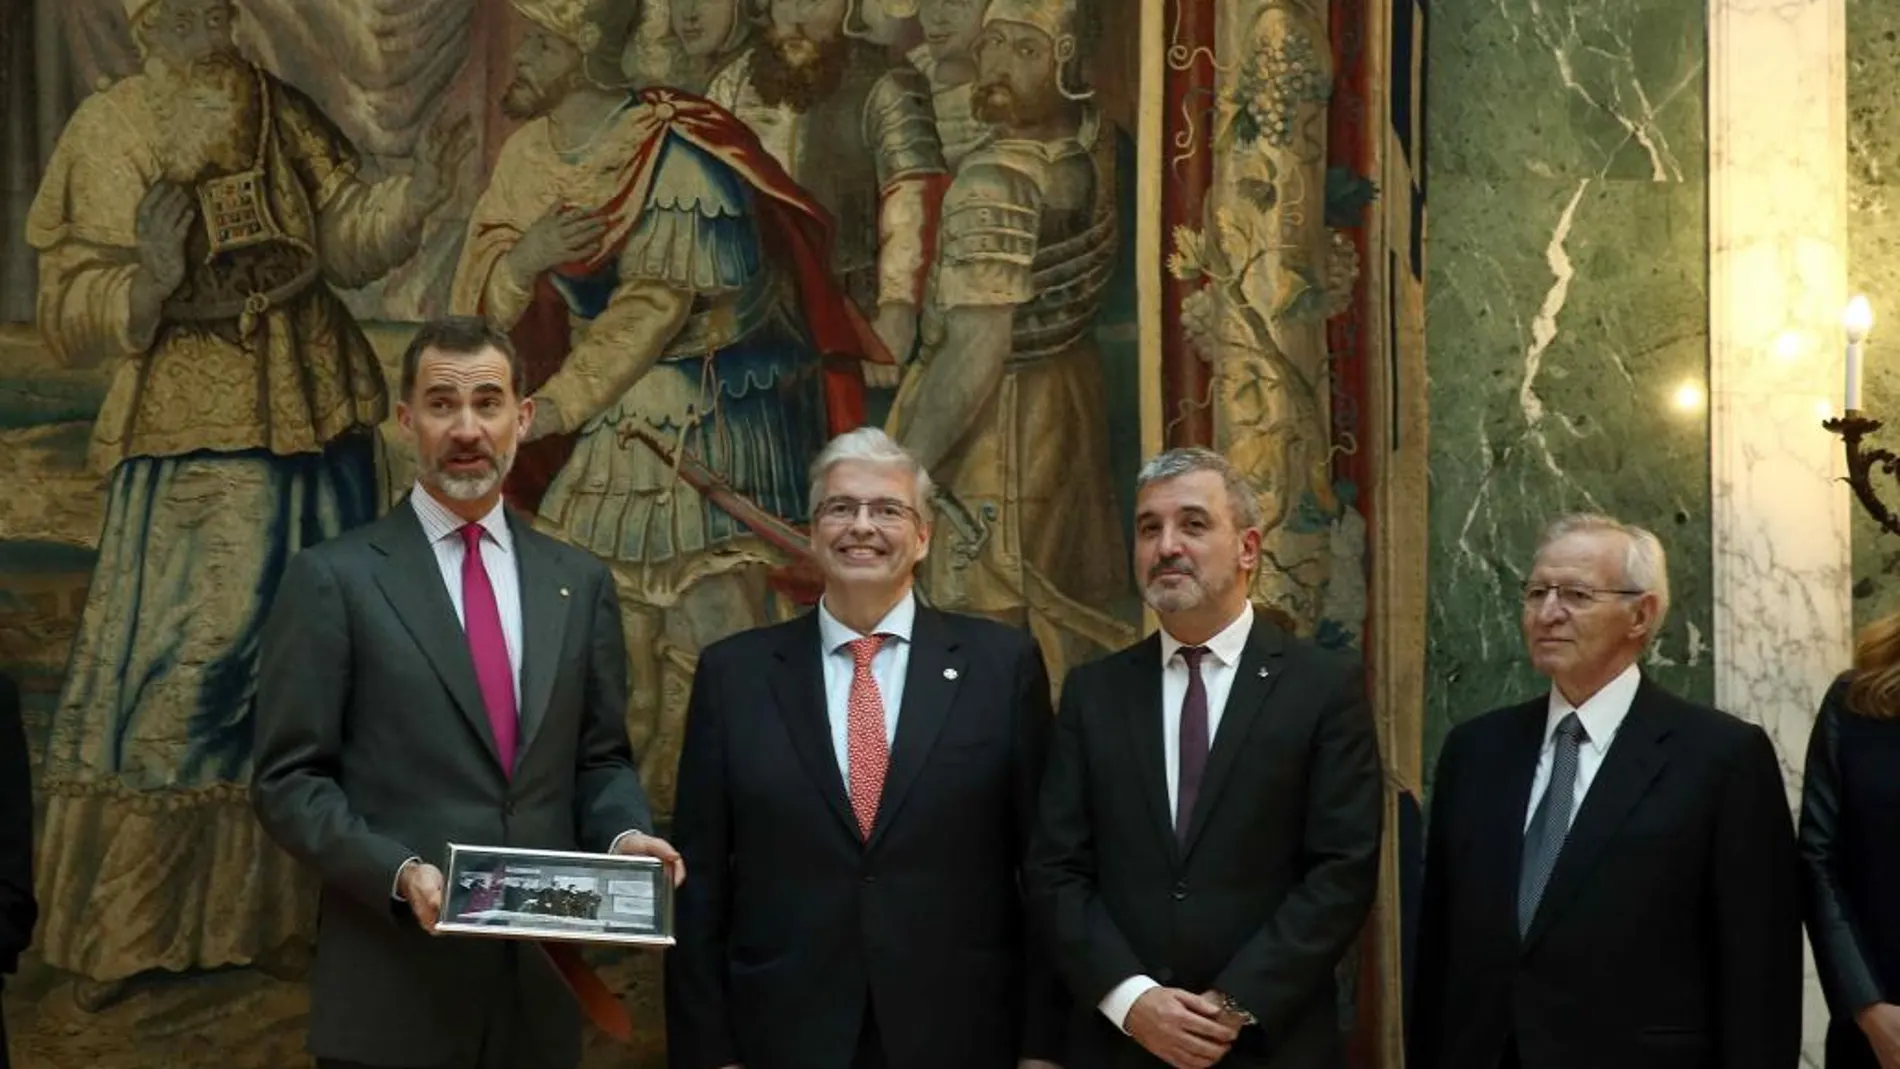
[413, 693]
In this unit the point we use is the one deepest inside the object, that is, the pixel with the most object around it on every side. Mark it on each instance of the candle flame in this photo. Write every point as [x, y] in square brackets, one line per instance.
[1858, 318]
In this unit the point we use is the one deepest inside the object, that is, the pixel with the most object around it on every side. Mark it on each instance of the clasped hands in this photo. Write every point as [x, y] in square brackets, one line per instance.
[1186, 1030]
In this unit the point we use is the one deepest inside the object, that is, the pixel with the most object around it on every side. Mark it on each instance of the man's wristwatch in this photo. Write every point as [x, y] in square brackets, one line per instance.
[1228, 1005]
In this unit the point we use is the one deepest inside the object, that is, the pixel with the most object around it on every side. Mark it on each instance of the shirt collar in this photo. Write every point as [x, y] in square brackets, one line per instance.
[1226, 647]
[439, 523]
[1602, 713]
[896, 624]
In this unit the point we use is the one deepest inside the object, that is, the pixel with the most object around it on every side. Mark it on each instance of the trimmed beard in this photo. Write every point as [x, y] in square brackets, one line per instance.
[470, 487]
[800, 82]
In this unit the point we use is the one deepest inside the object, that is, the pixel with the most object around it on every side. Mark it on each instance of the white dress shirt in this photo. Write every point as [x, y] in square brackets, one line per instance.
[887, 667]
[444, 531]
[1218, 668]
[1601, 715]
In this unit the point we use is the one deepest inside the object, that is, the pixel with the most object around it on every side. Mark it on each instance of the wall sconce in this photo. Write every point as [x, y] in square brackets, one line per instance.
[1852, 426]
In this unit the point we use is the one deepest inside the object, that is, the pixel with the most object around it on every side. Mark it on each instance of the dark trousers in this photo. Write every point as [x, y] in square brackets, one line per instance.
[870, 1053]
[5, 1062]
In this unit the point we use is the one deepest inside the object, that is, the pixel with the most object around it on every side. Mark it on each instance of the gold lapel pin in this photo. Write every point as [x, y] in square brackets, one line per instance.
[949, 673]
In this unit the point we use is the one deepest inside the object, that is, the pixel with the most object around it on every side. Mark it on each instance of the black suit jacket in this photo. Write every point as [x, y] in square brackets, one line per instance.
[790, 922]
[1281, 861]
[373, 745]
[1669, 935]
[18, 911]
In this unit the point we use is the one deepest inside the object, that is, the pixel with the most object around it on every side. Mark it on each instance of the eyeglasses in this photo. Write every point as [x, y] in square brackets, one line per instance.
[1571, 597]
[885, 511]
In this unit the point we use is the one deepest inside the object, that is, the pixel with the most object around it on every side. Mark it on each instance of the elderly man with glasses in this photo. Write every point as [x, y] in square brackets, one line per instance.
[856, 792]
[1610, 872]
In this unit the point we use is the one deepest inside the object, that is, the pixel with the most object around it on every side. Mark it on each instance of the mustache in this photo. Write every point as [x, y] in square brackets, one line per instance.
[1173, 566]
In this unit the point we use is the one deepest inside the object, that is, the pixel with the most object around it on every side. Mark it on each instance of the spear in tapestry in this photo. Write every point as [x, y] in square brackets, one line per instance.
[800, 579]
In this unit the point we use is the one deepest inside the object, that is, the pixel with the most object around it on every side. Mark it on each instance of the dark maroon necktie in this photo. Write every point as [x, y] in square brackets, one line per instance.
[1193, 740]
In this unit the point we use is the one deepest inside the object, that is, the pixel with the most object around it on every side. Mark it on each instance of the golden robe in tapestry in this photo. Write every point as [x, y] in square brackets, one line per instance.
[253, 350]
[237, 431]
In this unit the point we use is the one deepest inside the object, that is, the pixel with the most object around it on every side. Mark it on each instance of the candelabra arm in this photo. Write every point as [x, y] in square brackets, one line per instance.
[1861, 462]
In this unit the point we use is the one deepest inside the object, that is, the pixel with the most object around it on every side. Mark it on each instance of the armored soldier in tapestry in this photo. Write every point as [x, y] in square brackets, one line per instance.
[694, 352]
[854, 126]
[1008, 407]
[190, 225]
[946, 59]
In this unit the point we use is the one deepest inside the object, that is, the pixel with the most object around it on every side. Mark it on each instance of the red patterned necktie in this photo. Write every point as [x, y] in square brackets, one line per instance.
[481, 619]
[868, 752]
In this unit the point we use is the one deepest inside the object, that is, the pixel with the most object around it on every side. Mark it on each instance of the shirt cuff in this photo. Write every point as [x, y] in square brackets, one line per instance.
[1116, 1004]
[395, 885]
[614, 847]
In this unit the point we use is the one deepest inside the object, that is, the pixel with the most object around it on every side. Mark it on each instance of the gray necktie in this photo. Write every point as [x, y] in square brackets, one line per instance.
[1544, 839]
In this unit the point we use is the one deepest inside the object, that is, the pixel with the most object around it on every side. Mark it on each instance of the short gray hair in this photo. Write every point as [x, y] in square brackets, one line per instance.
[871, 446]
[1645, 564]
[1241, 498]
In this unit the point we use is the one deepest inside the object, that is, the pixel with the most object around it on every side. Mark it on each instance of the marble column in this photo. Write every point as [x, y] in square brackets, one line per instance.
[1779, 533]
[1565, 319]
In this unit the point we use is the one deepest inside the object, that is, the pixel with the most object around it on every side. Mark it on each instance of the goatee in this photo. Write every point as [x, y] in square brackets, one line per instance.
[993, 103]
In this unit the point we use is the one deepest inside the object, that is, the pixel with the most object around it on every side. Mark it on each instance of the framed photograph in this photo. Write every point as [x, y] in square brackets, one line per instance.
[556, 895]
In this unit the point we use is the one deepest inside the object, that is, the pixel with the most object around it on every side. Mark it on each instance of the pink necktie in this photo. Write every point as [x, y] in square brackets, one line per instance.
[481, 618]
[867, 751]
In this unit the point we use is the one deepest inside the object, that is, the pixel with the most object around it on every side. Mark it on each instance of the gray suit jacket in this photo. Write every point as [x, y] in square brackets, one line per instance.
[373, 746]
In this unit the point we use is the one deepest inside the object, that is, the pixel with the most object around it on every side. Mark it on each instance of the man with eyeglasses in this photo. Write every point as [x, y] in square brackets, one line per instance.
[856, 792]
[1610, 872]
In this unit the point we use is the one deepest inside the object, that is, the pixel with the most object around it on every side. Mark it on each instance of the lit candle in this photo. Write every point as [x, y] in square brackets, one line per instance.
[1858, 319]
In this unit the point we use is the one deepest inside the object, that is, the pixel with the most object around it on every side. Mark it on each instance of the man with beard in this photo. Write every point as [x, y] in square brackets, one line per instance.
[1208, 843]
[446, 674]
[853, 126]
[1009, 359]
[856, 795]
[945, 58]
[663, 277]
[191, 225]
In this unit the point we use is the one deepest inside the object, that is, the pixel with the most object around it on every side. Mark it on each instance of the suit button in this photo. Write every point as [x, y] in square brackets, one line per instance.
[868, 878]
[1164, 976]
[507, 809]
[1180, 891]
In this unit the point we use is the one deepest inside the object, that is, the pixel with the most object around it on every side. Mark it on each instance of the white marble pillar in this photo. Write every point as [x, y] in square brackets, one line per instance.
[1777, 270]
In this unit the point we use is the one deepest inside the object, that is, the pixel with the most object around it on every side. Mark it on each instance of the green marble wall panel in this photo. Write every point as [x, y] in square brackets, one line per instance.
[1567, 313]
[1873, 268]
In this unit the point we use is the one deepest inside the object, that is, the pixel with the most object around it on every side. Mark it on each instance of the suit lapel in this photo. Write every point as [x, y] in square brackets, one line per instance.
[1636, 757]
[798, 685]
[411, 580]
[930, 686]
[1513, 773]
[1254, 680]
[546, 596]
[1141, 680]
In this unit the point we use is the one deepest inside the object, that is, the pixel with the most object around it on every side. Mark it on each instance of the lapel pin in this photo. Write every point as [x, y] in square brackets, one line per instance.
[1263, 672]
[949, 673]
[564, 594]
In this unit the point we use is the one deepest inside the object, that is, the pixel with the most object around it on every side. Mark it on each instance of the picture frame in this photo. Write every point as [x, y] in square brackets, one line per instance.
[561, 896]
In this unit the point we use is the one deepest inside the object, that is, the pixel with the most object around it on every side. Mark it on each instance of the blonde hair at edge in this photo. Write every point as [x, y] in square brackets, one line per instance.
[872, 446]
[1874, 688]
[1645, 565]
